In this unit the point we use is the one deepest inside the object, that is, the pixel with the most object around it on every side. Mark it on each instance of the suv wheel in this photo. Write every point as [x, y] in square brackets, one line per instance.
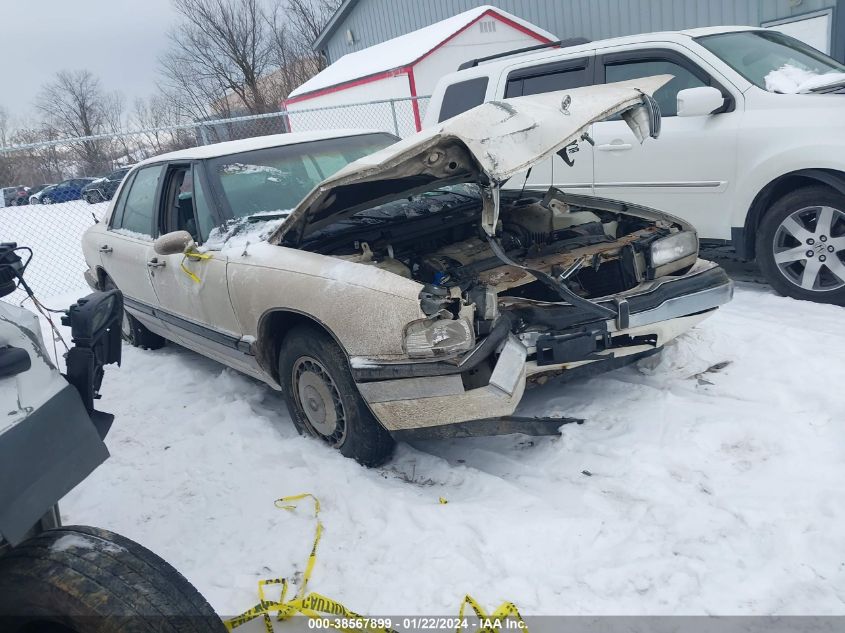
[323, 400]
[801, 245]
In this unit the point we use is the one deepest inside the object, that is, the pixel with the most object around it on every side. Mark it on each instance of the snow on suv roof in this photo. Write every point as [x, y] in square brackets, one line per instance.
[259, 142]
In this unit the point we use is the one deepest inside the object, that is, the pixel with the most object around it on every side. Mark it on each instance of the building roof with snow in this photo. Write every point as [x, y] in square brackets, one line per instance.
[406, 50]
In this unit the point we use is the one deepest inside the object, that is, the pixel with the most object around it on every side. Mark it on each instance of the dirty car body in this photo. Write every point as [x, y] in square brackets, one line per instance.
[446, 294]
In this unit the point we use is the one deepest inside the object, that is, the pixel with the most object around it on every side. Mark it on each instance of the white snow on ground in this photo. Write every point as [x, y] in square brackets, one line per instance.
[55, 232]
[688, 490]
[790, 79]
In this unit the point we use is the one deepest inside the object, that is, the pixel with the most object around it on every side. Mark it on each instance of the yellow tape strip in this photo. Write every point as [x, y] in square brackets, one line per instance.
[193, 256]
[315, 605]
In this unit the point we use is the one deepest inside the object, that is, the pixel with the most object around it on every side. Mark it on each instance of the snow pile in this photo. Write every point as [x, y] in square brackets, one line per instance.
[789, 79]
[235, 235]
[709, 483]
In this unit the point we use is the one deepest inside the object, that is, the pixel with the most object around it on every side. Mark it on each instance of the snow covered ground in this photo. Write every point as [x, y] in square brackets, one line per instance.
[713, 482]
[55, 232]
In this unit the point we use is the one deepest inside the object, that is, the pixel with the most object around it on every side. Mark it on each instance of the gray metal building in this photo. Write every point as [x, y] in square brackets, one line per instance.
[358, 24]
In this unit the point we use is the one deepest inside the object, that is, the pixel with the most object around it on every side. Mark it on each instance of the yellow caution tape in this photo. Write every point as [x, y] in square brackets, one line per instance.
[193, 256]
[315, 605]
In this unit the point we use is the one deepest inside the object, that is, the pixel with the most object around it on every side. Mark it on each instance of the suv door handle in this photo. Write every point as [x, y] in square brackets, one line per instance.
[154, 263]
[105, 248]
[614, 147]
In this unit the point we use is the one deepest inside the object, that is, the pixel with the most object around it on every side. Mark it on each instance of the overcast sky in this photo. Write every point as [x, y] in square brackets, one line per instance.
[117, 40]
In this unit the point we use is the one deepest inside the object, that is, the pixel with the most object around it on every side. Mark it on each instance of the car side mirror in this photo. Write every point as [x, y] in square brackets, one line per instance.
[699, 101]
[173, 243]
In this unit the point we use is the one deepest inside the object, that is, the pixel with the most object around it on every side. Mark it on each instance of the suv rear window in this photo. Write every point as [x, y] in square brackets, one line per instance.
[462, 96]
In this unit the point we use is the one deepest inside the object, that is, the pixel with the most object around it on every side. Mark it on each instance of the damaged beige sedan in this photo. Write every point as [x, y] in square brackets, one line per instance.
[396, 289]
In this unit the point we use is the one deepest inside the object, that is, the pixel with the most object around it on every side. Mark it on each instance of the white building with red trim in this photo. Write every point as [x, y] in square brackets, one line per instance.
[403, 67]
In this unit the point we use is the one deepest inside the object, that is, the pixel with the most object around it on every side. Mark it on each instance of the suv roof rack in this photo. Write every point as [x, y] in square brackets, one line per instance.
[572, 41]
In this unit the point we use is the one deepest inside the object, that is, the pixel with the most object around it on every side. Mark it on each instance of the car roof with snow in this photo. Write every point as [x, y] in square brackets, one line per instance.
[260, 142]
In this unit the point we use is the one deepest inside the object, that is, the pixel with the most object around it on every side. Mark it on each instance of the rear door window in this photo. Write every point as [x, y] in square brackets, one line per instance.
[462, 96]
[135, 209]
[563, 75]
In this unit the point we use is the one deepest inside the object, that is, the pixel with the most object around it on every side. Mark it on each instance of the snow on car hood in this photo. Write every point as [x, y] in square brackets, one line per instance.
[487, 145]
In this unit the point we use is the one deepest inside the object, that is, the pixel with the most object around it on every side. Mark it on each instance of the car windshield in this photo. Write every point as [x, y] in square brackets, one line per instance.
[774, 61]
[272, 181]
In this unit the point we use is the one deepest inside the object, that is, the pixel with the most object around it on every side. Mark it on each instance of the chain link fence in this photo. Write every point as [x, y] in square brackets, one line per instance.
[56, 188]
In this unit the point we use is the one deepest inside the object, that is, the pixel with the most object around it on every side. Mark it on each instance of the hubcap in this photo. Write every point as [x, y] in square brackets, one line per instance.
[318, 399]
[809, 246]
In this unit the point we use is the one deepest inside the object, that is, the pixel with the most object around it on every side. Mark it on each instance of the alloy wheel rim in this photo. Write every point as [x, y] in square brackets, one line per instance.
[319, 400]
[809, 246]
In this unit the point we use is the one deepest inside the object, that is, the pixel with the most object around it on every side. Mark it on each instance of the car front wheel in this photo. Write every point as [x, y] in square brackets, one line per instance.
[801, 245]
[323, 400]
[46, 200]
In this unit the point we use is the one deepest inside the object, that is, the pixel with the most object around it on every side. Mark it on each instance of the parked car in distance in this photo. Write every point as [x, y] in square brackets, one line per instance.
[404, 294]
[12, 194]
[748, 164]
[102, 189]
[64, 191]
[36, 193]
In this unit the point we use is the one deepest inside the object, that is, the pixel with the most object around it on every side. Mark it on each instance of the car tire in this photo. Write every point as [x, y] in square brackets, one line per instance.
[312, 366]
[83, 579]
[133, 331]
[801, 245]
[46, 200]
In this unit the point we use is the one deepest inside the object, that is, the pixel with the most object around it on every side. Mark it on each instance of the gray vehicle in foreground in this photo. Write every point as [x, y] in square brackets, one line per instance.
[70, 579]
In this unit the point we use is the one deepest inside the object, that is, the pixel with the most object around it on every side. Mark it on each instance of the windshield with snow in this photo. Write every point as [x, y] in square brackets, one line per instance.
[272, 181]
[774, 61]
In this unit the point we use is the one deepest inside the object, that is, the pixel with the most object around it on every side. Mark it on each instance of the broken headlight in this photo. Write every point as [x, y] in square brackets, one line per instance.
[673, 248]
[438, 337]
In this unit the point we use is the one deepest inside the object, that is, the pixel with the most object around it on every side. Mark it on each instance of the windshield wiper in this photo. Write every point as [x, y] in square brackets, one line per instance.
[839, 83]
[263, 216]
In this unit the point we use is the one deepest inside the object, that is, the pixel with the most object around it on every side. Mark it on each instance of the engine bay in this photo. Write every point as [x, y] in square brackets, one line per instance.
[435, 238]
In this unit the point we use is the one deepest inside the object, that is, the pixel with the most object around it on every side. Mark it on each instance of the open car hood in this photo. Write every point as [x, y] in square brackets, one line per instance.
[486, 145]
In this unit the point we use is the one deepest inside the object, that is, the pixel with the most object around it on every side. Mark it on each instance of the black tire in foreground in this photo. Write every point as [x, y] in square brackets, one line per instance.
[801, 245]
[133, 331]
[79, 579]
[323, 400]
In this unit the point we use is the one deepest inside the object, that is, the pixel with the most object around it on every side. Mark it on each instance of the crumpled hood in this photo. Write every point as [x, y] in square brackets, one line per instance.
[487, 144]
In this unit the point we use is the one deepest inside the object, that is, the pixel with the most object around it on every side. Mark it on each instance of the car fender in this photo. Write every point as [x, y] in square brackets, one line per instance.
[363, 307]
[807, 160]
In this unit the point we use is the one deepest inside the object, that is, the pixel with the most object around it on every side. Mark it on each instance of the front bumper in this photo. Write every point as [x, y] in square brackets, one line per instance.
[417, 395]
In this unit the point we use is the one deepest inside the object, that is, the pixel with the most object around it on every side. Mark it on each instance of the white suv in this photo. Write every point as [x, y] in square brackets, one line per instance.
[745, 162]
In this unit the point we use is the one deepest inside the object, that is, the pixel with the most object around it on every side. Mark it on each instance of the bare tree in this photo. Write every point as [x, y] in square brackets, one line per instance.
[73, 105]
[220, 47]
[241, 56]
[5, 127]
[152, 116]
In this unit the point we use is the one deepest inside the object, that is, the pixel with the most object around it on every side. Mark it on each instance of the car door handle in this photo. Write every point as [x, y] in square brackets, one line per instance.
[154, 263]
[105, 248]
[614, 147]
